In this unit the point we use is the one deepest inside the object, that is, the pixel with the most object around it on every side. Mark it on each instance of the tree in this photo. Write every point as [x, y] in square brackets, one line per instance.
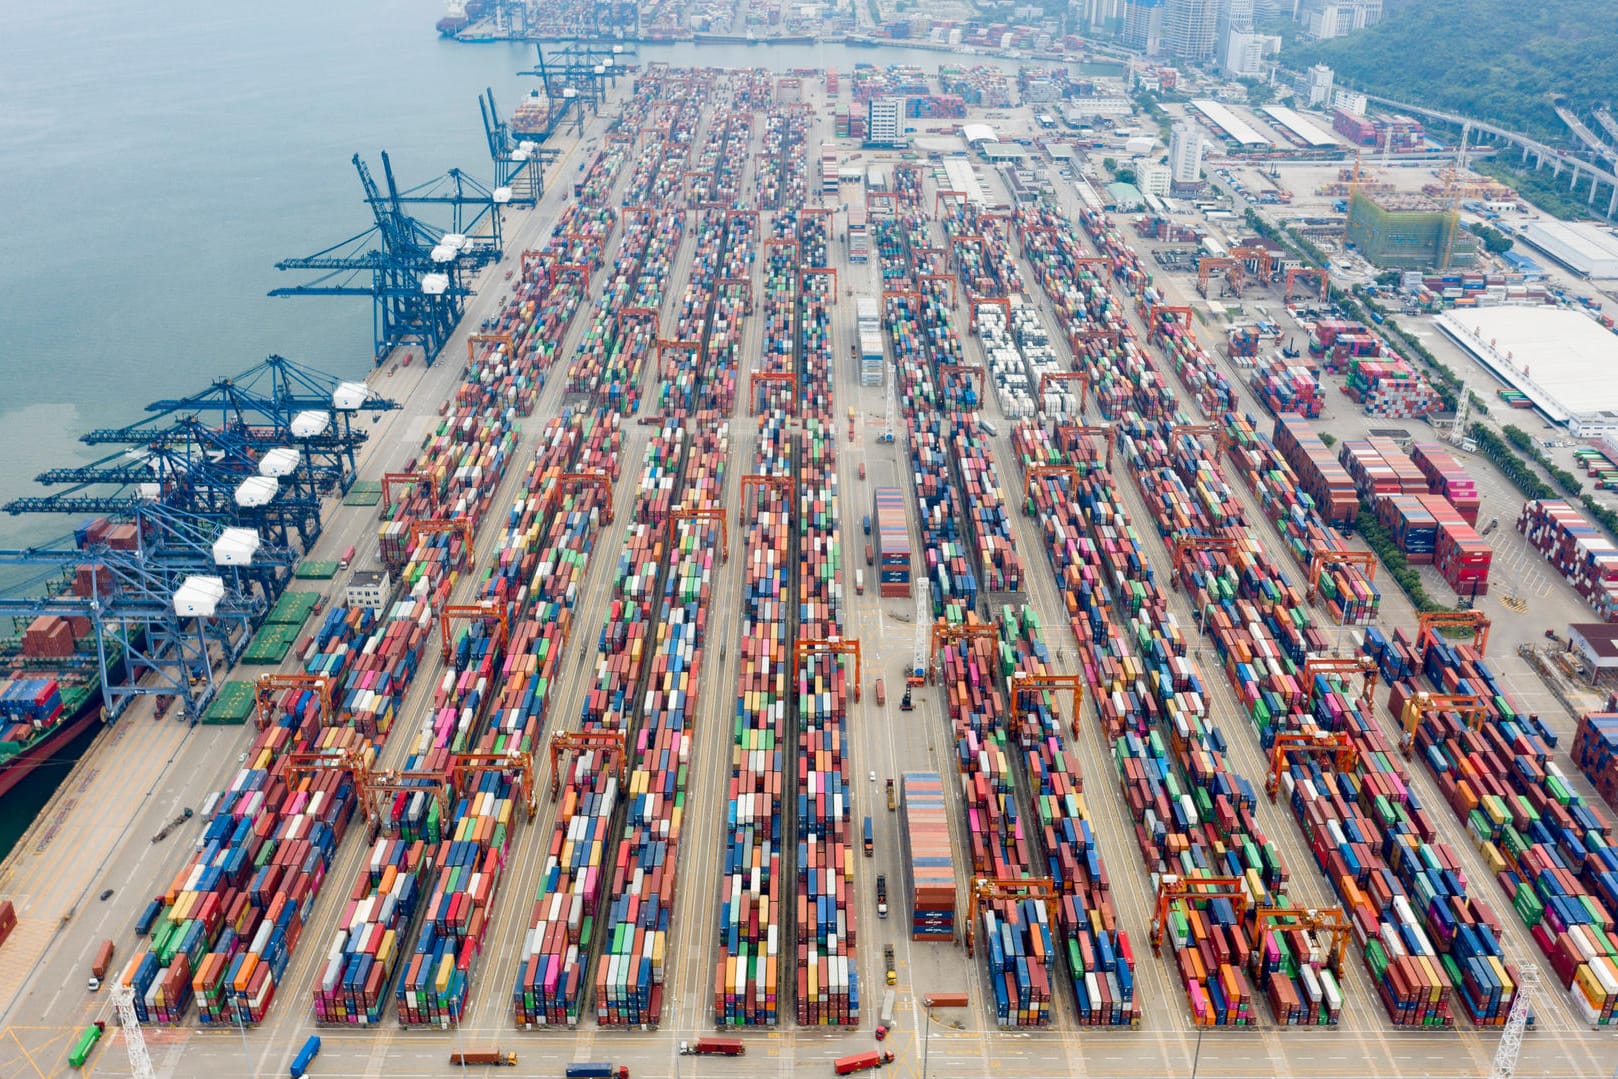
[1110, 164]
[1125, 175]
[1390, 278]
[1259, 92]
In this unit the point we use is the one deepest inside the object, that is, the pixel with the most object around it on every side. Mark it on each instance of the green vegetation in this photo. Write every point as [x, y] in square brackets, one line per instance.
[1408, 579]
[1567, 481]
[1494, 241]
[1548, 192]
[1328, 438]
[1259, 92]
[1516, 470]
[1496, 60]
[1125, 175]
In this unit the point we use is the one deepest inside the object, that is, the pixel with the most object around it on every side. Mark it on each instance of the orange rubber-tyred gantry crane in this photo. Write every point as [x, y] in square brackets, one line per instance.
[390, 480]
[1306, 273]
[833, 646]
[437, 525]
[817, 271]
[474, 612]
[476, 339]
[565, 742]
[1105, 431]
[713, 515]
[1059, 377]
[1172, 889]
[1472, 709]
[1184, 546]
[1036, 473]
[988, 889]
[512, 762]
[268, 685]
[1363, 666]
[1429, 623]
[594, 478]
[1317, 566]
[946, 278]
[1028, 682]
[1330, 920]
[786, 378]
[754, 480]
[1154, 316]
[944, 633]
[378, 785]
[1310, 742]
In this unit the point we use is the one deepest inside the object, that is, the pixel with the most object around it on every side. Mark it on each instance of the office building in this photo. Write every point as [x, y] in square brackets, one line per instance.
[1190, 29]
[1143, 26]
[1319, 88]
[1185, 156]
[884, 121]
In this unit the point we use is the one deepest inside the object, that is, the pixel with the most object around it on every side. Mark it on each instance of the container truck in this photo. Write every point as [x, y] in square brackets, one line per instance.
[596, 1070]
[484, 1056]
[881, 895]
[862, 1062]
[306, 1056]
[87, 1041]
[869, 838]
[98, 967]
[881, 693]
[8, 919]
[347, 557]
[870, 555]
[859, 582]
[721, 1047]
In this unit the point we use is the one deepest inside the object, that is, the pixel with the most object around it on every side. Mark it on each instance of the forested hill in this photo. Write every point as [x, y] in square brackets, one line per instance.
[1496, 60]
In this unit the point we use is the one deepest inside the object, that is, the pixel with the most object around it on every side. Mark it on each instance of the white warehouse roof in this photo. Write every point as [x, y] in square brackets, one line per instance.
[1587, 249]
[1563, 360]
[1235, 128]
[978, 133]
[1300, 126]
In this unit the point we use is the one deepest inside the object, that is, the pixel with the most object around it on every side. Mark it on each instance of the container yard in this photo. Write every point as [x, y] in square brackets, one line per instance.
[1128, 757]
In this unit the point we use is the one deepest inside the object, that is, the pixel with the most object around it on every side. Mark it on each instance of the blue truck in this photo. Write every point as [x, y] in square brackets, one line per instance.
[306, 1055]
[587, 1070]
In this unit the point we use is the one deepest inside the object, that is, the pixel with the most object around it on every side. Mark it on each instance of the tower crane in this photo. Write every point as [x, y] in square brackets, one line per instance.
[416, 278]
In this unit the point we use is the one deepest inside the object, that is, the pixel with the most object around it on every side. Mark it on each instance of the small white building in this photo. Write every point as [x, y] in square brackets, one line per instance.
[369, 588]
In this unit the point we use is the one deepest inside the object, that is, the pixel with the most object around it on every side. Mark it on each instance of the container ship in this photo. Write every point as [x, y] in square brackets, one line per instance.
[531, 119]
[39, 717]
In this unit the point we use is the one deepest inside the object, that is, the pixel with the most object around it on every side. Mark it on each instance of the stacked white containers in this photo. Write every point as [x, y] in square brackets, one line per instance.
[869, 327]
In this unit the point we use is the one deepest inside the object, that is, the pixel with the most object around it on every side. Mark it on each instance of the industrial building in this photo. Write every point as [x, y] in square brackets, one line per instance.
[1586, 249]
[1408, 232]
[1299, 128]
[1185, 156]
[1561, 359]
[1228, 124]
[884, 121]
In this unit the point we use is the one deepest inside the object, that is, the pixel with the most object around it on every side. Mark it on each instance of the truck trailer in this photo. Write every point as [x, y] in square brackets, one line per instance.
[484, 1056]
[721, 1047]
[862, 1062]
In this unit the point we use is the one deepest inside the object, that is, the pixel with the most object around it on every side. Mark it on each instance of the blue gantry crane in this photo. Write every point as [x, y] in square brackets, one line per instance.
[572, 77]
[417, 277]
[177, 598]
[519, 164]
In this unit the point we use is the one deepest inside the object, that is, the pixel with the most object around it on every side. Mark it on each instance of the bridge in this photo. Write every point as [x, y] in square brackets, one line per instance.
[1532, 150]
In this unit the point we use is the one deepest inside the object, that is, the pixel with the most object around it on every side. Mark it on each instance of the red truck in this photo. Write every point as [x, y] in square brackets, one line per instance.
[862, 1062]
[98, 968]
[8, 919]
[720, 1047]
[881, 693]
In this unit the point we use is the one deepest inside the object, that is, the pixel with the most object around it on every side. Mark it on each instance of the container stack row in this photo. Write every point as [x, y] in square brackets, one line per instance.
[635, 940]
[563, 925]
[1282, 387]
[371, 934]
[1550, 852]
[828, 983]
[1324, 479]
[1595, 751]
[1347, 592]
[1015, 933]
[1100, 958]
[1446, 477]
[1580, 551]
[746, 990]
[783, 163]
[1193, 816]
[1378, 467]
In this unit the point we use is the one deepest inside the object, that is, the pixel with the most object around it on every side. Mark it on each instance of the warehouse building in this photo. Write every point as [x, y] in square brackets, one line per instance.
[1586, 249]
[1561, 359]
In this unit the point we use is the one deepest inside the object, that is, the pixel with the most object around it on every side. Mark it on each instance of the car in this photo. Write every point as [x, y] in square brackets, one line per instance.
[94, 983]
[106, 895]
[873, 777]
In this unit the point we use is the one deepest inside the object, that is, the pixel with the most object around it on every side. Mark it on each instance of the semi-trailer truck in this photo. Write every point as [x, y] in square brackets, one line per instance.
[862, 1062]
[596, 1070]
[721, 1047]
[484, 1056]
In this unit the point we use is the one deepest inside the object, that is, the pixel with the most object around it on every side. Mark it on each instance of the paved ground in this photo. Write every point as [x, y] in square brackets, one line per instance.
[149, 770]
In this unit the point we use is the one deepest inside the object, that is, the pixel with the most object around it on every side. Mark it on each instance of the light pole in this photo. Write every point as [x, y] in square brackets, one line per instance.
[926, 1040]
[1197, 1058]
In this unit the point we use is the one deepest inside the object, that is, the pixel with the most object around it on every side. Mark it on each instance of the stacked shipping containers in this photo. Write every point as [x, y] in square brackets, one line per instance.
[1581, 552]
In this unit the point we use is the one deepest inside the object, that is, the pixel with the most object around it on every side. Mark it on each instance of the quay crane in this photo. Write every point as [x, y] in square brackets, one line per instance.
[418, 279]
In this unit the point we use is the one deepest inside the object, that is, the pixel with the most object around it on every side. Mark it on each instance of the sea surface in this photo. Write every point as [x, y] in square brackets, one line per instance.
[159, 157]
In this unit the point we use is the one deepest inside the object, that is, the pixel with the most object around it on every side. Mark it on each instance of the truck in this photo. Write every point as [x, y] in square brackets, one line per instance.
[870, 555]
[881, 895]
[103, 960]
[8, 919]
[346, 558]
[862, 1062]
[865, 523]
[893, 801]
[720, 1047]
[881, 693]
[464, 1057]
[306, 1056]
[887, 962]
[859, 582]
[869, 839]
[87, 1041]
[596, 1070]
